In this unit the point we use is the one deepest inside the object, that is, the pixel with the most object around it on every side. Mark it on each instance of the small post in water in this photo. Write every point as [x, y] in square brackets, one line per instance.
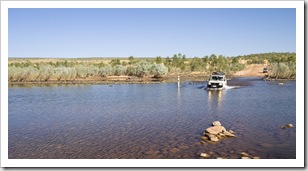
[178, 81]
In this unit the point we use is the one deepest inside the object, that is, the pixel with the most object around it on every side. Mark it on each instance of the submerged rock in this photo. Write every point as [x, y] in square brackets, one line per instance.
[204, 138]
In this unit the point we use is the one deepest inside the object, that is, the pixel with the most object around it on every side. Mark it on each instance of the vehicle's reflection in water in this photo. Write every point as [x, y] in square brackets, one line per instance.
[215, 98]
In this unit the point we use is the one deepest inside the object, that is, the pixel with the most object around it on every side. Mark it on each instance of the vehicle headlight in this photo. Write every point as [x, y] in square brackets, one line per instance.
[209, 83]
[220, 83]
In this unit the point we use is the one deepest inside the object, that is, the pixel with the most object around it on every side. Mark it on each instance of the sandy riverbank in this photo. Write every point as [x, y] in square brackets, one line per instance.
[254, 70]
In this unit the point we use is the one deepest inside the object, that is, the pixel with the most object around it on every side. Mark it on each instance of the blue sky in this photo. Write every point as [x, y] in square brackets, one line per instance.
[150, 32]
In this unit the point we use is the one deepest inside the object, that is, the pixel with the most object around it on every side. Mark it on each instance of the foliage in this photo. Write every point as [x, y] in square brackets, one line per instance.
[119, 70]
[143, 68]
[159, 70]
[283, 70]
[282, 65]
[115, 62]
[105, 71]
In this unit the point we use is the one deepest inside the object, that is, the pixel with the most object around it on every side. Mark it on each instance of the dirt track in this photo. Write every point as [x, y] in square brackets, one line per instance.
[252, 70]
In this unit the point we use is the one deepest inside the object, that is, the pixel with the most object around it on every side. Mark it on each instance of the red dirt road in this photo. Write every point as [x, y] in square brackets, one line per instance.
[252, 70]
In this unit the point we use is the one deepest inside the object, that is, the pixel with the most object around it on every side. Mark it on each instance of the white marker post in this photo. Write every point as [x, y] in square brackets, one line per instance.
[178, 81]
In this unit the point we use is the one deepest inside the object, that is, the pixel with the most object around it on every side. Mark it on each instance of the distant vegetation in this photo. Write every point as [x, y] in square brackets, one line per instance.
[282, 65]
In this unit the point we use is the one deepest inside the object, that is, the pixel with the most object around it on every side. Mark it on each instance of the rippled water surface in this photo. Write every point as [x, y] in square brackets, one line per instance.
[151, 120]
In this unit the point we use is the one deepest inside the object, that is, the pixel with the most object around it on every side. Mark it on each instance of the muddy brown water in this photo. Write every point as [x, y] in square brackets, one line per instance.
[157, 121]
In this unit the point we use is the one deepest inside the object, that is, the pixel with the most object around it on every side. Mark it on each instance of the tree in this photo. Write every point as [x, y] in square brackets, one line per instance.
[196, 64]
[131, 60]
[115, 62]
[158, 60]
[213, 59]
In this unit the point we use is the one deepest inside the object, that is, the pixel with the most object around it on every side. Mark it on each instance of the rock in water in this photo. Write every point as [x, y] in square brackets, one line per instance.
[246, 158]
[289, 126]
[232, 132]
[215, 130]
[204, 138]
[204, 155]
[229, 134]
[216, 123]
[214, 138]
[243, 154]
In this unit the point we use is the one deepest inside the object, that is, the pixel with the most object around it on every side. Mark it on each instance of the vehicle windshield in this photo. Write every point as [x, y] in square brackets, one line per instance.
[217, 78]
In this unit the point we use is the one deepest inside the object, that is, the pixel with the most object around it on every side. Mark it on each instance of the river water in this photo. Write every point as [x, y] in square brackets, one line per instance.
[133, 121]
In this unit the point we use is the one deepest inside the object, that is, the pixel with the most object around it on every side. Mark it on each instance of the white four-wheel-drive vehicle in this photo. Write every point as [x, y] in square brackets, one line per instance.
[217, 80]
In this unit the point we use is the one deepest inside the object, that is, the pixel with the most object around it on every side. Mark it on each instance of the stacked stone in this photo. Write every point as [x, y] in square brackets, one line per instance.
[216, 132]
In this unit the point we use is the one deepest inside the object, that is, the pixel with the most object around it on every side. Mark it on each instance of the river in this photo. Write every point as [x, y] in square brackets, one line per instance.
[156, 121]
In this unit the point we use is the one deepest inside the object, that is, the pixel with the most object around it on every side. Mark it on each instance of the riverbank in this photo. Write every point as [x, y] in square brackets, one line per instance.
[120, 80]
[254, 70]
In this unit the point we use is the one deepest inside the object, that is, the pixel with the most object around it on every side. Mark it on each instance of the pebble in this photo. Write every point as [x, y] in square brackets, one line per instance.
[246, 158]
[203, 138]
[204, 155]
[243, 154]
[289, 126]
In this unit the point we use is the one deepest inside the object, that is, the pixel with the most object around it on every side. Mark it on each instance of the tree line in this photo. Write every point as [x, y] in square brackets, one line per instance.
[282, 65]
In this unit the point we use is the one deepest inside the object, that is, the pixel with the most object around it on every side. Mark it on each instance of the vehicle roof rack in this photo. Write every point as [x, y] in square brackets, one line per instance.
[218, 73]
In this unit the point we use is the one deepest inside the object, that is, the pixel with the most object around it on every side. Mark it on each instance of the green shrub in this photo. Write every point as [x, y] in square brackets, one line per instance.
[119, 70]
[158, 70]
[105, 71]
[143, 68]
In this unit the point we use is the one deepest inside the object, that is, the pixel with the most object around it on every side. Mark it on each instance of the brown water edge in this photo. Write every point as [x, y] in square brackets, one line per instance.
[115, 80]
[120, 80]
[109, 80]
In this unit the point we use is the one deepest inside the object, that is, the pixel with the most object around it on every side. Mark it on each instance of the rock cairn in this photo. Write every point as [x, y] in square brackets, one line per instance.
[216, 132]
